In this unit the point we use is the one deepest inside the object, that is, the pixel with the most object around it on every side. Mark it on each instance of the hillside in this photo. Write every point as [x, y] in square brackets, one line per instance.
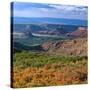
[79, 32]
[67, 47]
[32, 69]
[45, 27]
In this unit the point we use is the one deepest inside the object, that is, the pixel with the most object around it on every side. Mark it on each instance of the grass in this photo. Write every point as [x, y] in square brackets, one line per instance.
[32, 59]
[32, 69]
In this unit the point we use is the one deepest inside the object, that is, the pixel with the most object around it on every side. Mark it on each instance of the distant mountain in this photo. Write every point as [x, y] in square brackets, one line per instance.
[80, 32]
[62, 21]
[52, 32]
[45, 28]
[22, 30]
[27, 30]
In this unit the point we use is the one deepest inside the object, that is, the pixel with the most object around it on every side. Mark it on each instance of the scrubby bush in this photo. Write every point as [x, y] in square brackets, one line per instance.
[33, 69]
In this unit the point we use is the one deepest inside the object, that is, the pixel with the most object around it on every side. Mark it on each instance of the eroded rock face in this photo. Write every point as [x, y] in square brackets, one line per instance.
[46, 46]
[67, 47]
[80, 32]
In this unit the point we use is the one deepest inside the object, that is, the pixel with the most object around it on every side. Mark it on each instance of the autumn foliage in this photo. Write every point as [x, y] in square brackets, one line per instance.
[47, 70]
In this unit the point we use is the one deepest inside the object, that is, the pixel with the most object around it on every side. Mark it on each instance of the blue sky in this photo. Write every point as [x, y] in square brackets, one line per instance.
[49, 10]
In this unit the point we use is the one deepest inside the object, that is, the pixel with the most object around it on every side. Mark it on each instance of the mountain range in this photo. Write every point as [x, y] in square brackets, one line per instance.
[79, 32]
[50, 29]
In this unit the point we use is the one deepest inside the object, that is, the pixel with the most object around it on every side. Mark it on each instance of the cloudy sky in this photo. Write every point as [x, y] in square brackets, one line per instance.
[49, 10]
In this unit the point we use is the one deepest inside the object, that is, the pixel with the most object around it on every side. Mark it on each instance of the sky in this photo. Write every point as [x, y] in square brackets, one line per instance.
[49, 10]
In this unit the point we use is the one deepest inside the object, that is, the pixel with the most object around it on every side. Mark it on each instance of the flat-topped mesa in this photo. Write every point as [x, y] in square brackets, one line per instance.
[80, 32]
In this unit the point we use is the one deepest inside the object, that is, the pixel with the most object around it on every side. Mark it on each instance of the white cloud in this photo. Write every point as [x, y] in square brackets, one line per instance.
[68, 7]
[58, 6]
[43, 9]
[57, 11]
